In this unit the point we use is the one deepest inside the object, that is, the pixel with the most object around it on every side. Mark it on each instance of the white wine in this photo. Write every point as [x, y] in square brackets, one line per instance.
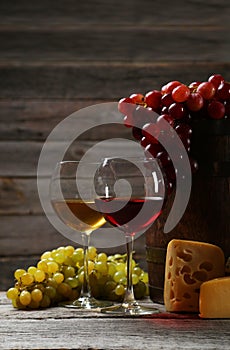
[78, 215]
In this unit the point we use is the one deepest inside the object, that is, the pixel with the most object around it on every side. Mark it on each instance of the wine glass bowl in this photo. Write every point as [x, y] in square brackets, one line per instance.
[131, 195]
[73, 197]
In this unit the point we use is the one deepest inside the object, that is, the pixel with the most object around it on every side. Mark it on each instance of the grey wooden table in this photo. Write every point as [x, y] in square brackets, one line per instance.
[61, 328]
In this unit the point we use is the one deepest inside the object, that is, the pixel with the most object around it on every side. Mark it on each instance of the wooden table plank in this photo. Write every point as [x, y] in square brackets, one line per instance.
[44, 13]
[60, 328]
[125, 44]
[97, 80]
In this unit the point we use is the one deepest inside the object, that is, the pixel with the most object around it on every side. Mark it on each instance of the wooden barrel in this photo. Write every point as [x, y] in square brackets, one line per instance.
[207, 216]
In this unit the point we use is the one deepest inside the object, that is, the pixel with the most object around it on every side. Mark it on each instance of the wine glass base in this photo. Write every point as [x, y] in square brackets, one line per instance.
[125, 310]
[86, 303]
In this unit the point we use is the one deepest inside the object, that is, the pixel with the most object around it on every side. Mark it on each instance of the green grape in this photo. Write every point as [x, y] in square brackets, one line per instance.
[58, 277]
[52, 266]
[34, 304]
[120, 266]
[117, 257]
[69, 271]
[50, 291]
[81, 276]
[64, 289]
[109, 286]
[40, 286]
[12, 293]
[92, 253]
[51, 282]
[25, 298]
[61, 250]
[69, 261]
[111, 268]
[139, 290]
[144, 277]
[27, 279]
[36, 295]
[123, 281]
[69, 250]
[135, 278]
[42, 265]
[137, 270]
[46, 255]
[120, 289]
[72, 281]
[118, 275]
[78, 255]
[16, 303]
[101, 267]
[32, 270]
[45, 302]
[90, 266]
[18, 273]
[59, 257]
[39, 275]
[102, 257]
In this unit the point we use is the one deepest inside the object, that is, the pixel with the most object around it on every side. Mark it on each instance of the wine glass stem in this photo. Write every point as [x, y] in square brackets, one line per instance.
[129, 298]
[85, 292]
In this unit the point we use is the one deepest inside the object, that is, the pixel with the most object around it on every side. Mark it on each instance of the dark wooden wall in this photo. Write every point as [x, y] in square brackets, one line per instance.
[59, 56]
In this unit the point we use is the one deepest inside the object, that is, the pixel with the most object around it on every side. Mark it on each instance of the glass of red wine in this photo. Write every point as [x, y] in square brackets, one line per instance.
[72, 196]
[131, 192]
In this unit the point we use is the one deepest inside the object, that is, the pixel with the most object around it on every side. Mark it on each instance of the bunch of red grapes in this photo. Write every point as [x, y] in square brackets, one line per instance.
[179, 105]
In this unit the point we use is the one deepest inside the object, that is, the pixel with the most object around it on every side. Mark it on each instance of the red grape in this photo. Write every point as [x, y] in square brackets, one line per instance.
[193, 86]
[137, 98]
[153, 99]
[137, 133]
[128, 121]
[177, 110]
[151, 132]
[180, 93]
[163, 157]
[126, 106]
[216, 80]
[142, 116]
[195, 102]
[183, 129]
[166, 117]
[167, 100]
[144, 142]
[216, 110]
[206, 89]
[170, 172]
[223, 91]
[170, 86]
[153, 149]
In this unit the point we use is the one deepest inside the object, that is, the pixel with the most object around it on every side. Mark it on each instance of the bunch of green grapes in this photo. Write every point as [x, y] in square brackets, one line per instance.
[59, 275]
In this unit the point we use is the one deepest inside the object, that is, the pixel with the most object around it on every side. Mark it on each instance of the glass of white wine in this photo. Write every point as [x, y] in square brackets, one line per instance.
[73, 197]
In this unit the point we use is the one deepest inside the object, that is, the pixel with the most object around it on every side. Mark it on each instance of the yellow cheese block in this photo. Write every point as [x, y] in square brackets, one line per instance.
[215, 298]
[188, 265]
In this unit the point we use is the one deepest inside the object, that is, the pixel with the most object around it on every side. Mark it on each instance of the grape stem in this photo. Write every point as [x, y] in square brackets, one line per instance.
[129, 299]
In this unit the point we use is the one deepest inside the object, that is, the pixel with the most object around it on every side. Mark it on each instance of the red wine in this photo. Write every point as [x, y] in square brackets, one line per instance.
[127, 214]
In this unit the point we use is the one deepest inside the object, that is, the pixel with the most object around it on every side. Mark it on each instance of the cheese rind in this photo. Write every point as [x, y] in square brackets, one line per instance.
[214, 301]
[188, 265]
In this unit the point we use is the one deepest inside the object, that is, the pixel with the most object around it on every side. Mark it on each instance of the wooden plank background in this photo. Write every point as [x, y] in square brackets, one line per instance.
[56, 58]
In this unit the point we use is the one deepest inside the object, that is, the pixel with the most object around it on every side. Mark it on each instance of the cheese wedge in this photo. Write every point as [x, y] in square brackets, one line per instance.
[188, 265]
[215, 298]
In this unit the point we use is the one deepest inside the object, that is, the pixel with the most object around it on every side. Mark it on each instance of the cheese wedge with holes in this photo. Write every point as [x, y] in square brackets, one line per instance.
[214, 301]
[189, 264]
